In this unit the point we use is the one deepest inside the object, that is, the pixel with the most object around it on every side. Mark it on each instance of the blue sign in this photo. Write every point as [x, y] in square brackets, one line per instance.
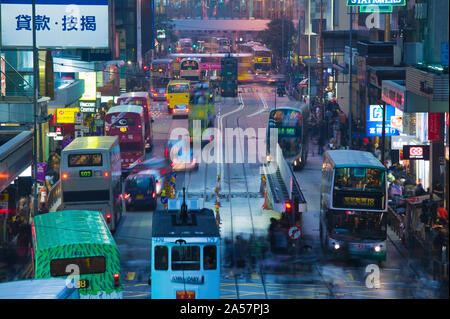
[375, 120]
[164, 200]
[173, 174]
[444, 53]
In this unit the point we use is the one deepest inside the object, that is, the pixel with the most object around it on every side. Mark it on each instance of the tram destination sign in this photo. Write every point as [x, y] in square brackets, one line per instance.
[376, 3]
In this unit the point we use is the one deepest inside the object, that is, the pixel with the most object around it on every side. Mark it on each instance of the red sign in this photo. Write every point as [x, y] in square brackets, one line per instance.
[434, 126]
[416, 152]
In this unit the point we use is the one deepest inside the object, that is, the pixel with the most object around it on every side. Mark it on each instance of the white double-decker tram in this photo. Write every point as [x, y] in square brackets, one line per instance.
[185, 261]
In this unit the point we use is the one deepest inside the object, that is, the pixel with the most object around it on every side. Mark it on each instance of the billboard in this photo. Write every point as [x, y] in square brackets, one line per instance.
[67, 115]
[375, 120]
[58, 23]
[90, 85]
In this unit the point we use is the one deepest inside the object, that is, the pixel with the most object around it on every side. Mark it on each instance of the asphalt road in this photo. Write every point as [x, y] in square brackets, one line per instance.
[310, 274]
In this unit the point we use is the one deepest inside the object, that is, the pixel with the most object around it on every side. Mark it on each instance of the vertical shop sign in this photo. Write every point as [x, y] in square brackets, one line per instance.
[434, 126]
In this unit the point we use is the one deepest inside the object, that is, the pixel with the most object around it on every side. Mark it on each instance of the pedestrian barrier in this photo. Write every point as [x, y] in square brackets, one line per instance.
[395, 223]
[54, 195]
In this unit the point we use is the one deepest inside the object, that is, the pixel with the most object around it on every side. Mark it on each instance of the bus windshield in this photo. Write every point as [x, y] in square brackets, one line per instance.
[189, 65]
[369, 225]
[359, 179]
[288, 125]
[178, 88]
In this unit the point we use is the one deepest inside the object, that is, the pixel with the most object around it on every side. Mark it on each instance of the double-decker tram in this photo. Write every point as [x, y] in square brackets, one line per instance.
[190, 69]
[185, 250]
[161, 73]
[353, 205]
[127, 123]
[142, 99]
[291, 123]
[91, 177]
[262, 59]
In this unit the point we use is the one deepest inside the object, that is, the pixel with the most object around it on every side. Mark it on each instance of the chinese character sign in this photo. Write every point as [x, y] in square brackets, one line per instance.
[58, 23]
[375, 120]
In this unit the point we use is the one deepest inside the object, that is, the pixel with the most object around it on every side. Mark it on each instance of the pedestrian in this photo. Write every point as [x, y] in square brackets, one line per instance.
[272, 227]
[322, 139]
[241, 251]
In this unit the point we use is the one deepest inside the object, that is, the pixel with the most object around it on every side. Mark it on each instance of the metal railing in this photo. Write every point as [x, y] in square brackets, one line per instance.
[54, 194]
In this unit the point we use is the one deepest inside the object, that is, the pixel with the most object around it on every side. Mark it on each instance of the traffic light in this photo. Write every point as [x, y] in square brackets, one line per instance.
[194, 46]
[170, 49]
[288, 207]
[145, 67]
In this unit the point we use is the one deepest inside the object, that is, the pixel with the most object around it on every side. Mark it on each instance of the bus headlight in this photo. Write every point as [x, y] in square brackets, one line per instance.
[378, 248]
[336, 246]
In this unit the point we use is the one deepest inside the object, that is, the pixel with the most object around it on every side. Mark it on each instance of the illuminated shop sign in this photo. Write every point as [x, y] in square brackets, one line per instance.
[416, 152]
[378, 3]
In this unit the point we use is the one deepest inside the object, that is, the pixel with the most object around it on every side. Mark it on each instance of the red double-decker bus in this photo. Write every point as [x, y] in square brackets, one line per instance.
[142, 99]
[128, 123]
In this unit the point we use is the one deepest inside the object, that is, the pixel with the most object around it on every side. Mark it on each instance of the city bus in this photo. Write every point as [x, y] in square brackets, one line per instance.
[229, 76]
[185, 262]
[178, 92]
[127, 123]
[184, 45]
[52, 288]
[90, 173]
[292, 126]
[142, 99]
[77, 246]
[162, 72]
[190, 69]
[353, 205]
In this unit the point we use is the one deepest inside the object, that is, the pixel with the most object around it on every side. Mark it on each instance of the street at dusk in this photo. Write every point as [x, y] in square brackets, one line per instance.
[227, 150]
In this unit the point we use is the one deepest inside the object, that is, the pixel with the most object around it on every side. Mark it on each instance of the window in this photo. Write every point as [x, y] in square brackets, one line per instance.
[77, 160]
[87, 265]
[161, 258]
[209, 257]
[125, 121]
[178, 88]
[186, 258]
[359, 178]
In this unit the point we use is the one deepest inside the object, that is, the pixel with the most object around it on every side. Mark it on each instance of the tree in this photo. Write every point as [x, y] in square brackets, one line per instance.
[280, 45]
[163, 22]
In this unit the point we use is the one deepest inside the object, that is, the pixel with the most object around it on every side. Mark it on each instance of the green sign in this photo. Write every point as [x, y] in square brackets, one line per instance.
[377, 3]
[379, 9]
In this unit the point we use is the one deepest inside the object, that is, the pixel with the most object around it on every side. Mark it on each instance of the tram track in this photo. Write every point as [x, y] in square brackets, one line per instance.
[234, 121]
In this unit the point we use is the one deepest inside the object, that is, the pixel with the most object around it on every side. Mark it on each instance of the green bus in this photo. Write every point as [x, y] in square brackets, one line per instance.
[78, 246]
[353, 205]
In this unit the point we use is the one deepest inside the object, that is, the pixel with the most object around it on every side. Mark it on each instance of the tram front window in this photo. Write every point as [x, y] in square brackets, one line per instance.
[161, 258]
[209, 257]
[367, 225]
[186, 258]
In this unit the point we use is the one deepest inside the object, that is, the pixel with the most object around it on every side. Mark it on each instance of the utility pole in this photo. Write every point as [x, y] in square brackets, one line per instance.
[35, 106]
[387, 38]
[350, 83]
[321, 89]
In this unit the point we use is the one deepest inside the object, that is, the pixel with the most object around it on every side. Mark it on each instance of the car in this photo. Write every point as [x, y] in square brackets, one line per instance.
[159, 94]
[180, 110]
[140, 191]
[179, 161]
[159, 167]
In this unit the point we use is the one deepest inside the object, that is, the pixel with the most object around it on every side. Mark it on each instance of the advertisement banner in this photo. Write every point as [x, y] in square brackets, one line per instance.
[66, 115]
[434, 126]
[41, 171]
[58, 23]
[375, 120]
[416, 152]
[90, 85]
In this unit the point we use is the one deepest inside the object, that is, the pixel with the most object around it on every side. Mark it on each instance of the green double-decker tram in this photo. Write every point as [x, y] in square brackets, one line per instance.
[229, 76]
[78, 246]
